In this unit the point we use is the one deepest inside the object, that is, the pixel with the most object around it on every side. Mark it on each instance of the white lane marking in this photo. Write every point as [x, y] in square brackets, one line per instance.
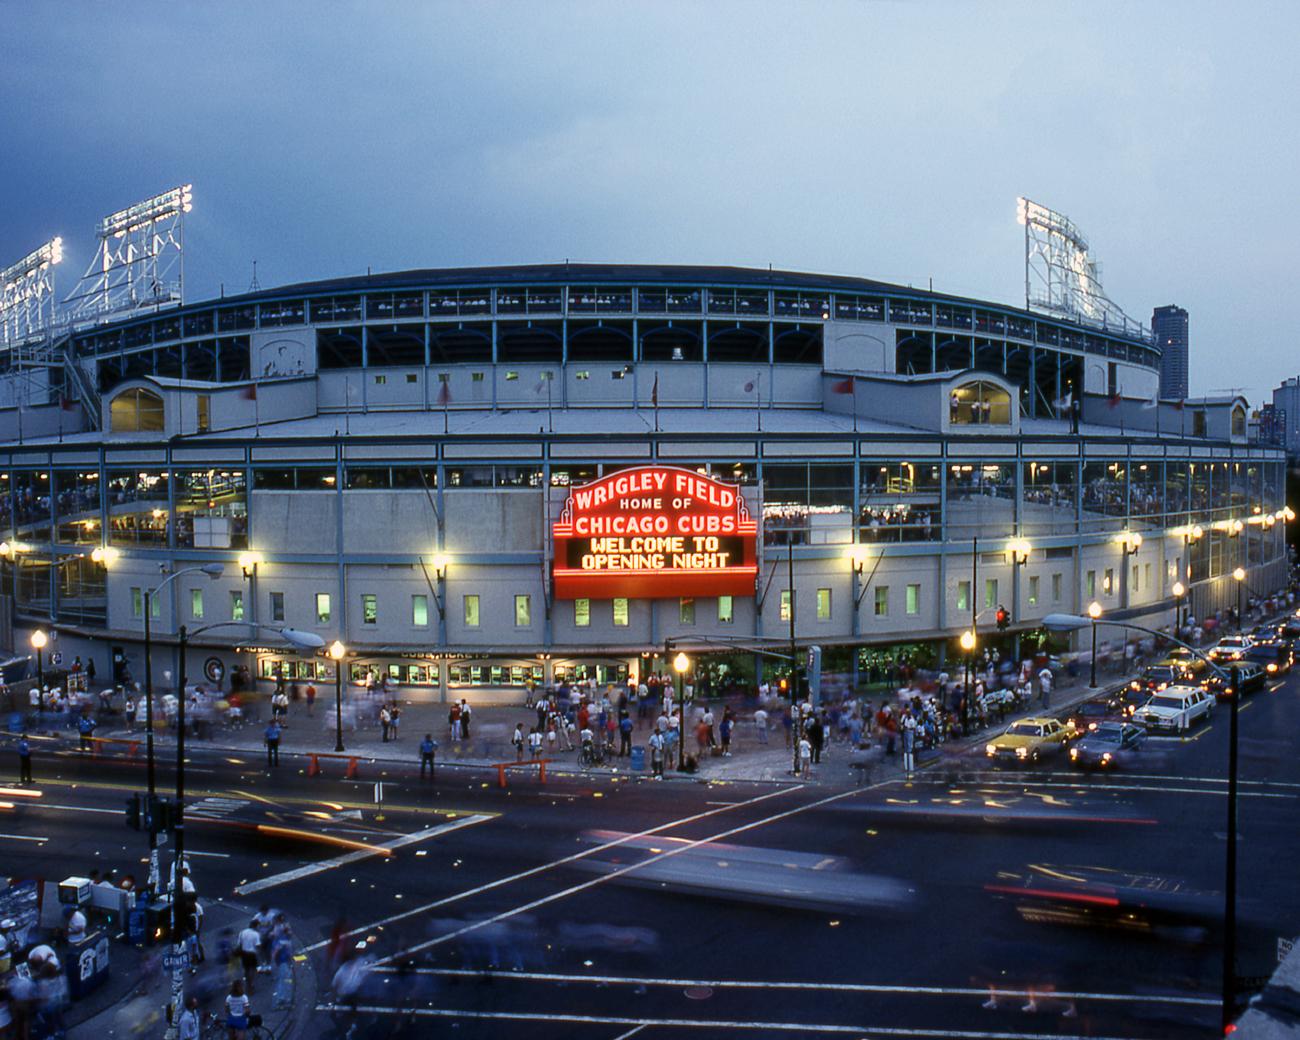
[686, 846]
[630, 1033]
[23, 837]
[214, 855]
[802, 1028]
[1103, 788]
[77, 808]
[1080, 779]
[511, 878]
[830, 987]
[286, 876]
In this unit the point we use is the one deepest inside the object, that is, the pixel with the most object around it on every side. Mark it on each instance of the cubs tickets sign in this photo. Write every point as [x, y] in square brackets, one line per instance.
[654, 532]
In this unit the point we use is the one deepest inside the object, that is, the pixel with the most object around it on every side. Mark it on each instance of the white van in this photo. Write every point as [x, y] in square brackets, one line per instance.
[1175, 708]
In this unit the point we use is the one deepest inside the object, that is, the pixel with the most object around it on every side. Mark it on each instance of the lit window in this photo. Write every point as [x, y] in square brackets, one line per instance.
[726, 608]
[882, 600]
[277, 606]
[476, 377]
[963, 595]
[582, 612]
[411, 377]
[136, 411]
[990, 593]
[420, 610]
[620, 613]
[1108, 583]
[914, 599]
[137, 602]
[380, 380]
[369, 609]
[1090, 584]
[686, 610]
[979, 402]
[523, 611]
[1033, 590]
[196, 603]
[787, 605]
[511, 376]
[823, 604]
[236, 605]
[1056, 588]
[203, 402]
[582, 375]
[471, 612]
[322, 608]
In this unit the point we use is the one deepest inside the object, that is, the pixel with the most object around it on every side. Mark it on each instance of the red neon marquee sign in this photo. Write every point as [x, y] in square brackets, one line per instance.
[654, 532]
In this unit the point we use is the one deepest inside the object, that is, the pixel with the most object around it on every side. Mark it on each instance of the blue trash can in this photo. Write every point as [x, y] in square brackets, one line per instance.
[638, 759]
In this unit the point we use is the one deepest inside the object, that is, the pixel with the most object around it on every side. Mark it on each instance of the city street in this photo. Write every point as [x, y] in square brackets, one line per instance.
[608, 906]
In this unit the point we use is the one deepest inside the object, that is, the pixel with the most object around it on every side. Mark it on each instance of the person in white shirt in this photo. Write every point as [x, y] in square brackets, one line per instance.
[1045, 682]
[760, 724]
[237, 1011]
[248, 943]
[805, 757]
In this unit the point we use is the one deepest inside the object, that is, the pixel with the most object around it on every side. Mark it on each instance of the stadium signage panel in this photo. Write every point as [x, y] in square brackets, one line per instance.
[654, 532]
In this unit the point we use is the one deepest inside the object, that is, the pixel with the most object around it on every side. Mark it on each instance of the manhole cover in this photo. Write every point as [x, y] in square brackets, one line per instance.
[699, 992]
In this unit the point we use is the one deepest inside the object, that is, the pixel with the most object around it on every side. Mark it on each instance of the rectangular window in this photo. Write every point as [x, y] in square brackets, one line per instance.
[155, 608]
[582, 612]
[620, 613]
[236, 605]
[913, 600]
[381, 380]
[963, 595]
[882, 600]
[1146, 575]
[523, 612]
[369, 609]
[322, 608]
[686, 610]
[823, 604]
[277, 606]
[1090, 585]
[726, 608]
[204, 404]
[787, 605]
[411, 377]
[990, 593]
[1033, 590]
[1108, 583]
[196, 603]
[471, 612]
[420, 610]
[137, 602]
[1056, 588]
[1133, 578]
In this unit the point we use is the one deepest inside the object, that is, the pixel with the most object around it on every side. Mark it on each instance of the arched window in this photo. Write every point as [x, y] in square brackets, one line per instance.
[136, 411]
[1239, 421]
[979, 402]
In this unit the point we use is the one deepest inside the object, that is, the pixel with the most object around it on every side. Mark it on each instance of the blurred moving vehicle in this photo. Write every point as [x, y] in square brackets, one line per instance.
[1184, 658]
[1250, 677]
[1112, 745]
[1275, 656]
[1159, 676]
[1030, 739]
[1175, 709]
[1230, 648]
[1108, 707]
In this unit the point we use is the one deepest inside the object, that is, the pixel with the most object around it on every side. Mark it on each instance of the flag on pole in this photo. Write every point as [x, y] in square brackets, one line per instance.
[444, 394]
[1062, 404]
[654, 392]
[844, 386]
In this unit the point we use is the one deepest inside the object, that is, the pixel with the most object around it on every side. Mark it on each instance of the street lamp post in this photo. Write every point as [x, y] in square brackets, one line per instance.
[338, 651]
[213, 571]
[298, 640]
[968, 648]
[39, 641]
[1179, 590]
[680, 664]
[1240, 575]
[1094, 612]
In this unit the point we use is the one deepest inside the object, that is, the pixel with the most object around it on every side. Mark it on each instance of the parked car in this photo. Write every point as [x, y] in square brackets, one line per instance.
[1029, 740]
[1249, 675]
[1175, 709]
[1111, 745]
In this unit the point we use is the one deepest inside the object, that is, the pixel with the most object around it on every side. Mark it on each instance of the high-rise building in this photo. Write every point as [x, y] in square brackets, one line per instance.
[1286, 402]
[1169, 325]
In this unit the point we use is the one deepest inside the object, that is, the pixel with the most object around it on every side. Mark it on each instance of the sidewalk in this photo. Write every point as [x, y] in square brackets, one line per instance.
[133, 1001]
[493, 724]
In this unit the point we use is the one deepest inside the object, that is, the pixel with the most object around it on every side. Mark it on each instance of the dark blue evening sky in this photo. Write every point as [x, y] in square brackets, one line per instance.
[887, 139]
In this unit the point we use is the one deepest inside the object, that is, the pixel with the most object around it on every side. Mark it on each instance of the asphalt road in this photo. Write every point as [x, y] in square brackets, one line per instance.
[611, 908]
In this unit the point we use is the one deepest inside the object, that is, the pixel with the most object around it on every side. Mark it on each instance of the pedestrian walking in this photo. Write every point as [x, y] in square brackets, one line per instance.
[453, 722]
[518, 741]
[760, 725]
[85, 730]
[311, 698]
[656, 755]
[625, 725]
[1045, 683]
[805, 757]
[534, 743]
[24, 760]
[427, 747]
[465, 713]
[128, 711]
[248, 943]
[908, 733]
[385, 722]
[273, 744]
[728, 723]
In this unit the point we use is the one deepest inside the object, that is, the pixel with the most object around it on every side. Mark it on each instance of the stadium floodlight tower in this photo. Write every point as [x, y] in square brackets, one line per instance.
[27, 294]
[140, 261]
[1061, 278]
